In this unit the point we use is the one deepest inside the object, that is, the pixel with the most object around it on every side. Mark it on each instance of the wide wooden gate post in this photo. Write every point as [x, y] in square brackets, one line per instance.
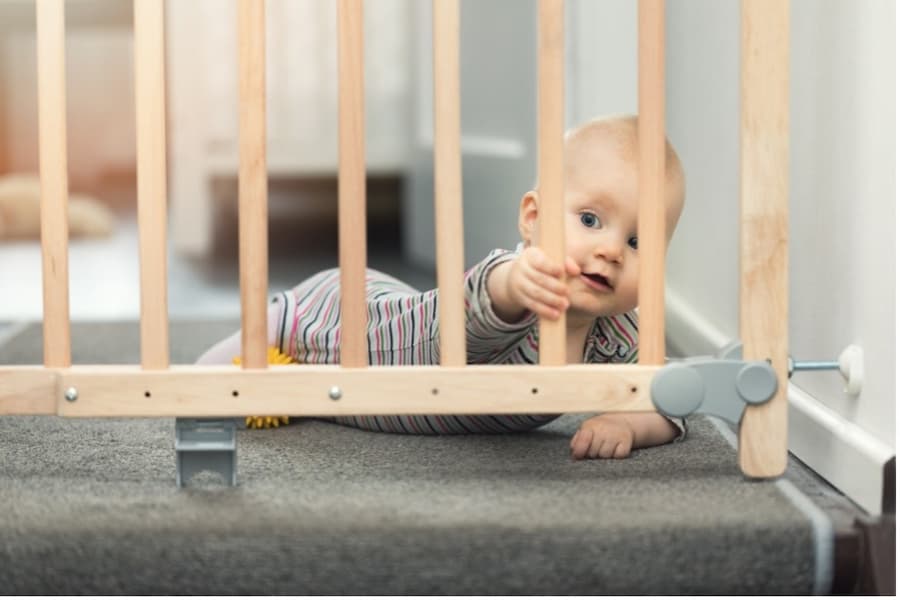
[150, 94]
[448, 210]
[51, 59]
[651, 180]
[765, 62]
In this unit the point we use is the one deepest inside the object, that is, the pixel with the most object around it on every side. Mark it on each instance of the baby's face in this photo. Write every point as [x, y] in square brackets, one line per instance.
[601, 214]
[600, 205]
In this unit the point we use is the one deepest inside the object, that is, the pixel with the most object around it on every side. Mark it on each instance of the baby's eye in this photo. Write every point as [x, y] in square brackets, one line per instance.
[590, 220]
[633, 242]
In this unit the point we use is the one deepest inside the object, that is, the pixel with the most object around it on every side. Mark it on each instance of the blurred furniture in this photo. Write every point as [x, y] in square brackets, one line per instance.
[301, 80]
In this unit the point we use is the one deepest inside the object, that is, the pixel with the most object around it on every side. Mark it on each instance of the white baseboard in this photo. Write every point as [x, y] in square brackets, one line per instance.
[841, 452]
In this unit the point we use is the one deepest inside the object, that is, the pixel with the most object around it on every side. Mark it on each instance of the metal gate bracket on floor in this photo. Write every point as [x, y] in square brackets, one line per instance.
[205, 445]
[721, 385]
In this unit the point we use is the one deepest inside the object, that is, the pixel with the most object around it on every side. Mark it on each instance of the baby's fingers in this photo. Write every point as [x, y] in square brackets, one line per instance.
[606, 448]
[549, 283]
[581, 443]
[547, 290]
[537, 260]
[544, 303]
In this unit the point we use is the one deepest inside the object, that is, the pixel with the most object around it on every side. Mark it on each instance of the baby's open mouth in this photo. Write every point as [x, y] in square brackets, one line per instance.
[597, 281]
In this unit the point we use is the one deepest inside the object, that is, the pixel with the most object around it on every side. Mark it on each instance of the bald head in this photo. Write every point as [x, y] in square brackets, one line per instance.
[590, 146]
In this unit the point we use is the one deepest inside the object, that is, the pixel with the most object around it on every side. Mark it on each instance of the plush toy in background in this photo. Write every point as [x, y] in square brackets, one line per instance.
[20, 210]
[275, 357]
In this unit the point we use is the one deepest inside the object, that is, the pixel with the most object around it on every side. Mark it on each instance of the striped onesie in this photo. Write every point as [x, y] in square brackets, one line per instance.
[403, 330]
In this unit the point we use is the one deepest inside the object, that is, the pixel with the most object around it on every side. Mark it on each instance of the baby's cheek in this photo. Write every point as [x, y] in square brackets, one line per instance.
[628, 296]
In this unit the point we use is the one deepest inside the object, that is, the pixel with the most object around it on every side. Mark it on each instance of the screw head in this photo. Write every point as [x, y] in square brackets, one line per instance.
[71, 394]
[335, 393]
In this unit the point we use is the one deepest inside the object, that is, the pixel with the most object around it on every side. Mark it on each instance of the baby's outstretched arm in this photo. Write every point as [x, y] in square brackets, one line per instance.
[615, 435]
[529, 283]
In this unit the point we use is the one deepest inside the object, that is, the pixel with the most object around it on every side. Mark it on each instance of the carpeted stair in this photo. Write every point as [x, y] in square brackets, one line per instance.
[91, 507]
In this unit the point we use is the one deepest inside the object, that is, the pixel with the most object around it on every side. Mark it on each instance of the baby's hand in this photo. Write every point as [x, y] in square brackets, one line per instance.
[602, 437]
[534, 283]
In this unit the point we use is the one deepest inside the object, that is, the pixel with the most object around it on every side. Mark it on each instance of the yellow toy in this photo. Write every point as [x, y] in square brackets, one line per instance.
[275, 357]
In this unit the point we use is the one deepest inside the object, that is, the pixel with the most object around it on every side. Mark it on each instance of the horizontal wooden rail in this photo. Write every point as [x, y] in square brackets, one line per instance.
[29, 390]
[127, 391]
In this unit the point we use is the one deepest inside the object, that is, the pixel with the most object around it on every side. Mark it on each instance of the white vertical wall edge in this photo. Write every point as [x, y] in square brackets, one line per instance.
[841, 452]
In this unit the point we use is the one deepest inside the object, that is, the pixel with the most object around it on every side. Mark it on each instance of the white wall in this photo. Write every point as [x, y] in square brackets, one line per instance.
[842, 206]
[601, 59]
[843, 198]
[842, 184]
[498, 111]
[702, 93]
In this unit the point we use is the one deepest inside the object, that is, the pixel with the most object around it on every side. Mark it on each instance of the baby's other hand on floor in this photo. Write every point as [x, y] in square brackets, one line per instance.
[602, 437]
[534, 283]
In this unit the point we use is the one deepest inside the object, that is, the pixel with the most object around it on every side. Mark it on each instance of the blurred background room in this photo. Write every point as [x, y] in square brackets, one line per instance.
[498, 83]
[202, 149]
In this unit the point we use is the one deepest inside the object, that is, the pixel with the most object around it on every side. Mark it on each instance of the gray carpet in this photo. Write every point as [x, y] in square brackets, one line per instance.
[90, 507]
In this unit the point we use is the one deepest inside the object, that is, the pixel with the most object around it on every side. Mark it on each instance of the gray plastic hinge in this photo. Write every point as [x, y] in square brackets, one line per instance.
[205, 445]
[721, 386]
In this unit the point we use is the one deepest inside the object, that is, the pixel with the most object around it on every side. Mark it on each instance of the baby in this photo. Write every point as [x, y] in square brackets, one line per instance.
[506, 293]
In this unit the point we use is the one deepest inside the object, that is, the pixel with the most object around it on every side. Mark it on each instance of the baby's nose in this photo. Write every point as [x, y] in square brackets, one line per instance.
[610, 248]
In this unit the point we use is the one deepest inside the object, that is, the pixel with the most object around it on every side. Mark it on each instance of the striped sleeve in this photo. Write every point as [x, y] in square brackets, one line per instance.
[487, 335]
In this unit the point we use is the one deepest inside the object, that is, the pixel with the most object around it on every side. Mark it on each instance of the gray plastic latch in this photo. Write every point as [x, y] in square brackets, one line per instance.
[733, 350]
[713, 386]
[205, 445]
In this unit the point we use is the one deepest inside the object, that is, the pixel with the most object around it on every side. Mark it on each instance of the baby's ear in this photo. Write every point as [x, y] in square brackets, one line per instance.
[528, 213]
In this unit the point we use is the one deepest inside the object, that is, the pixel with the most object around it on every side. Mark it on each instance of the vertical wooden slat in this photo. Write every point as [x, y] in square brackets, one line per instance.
[551, 119]
[765, 68]
[651, 183]
[252, 186]
[51, 61]
[150, 90]
[448, 183]
[352, 184]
